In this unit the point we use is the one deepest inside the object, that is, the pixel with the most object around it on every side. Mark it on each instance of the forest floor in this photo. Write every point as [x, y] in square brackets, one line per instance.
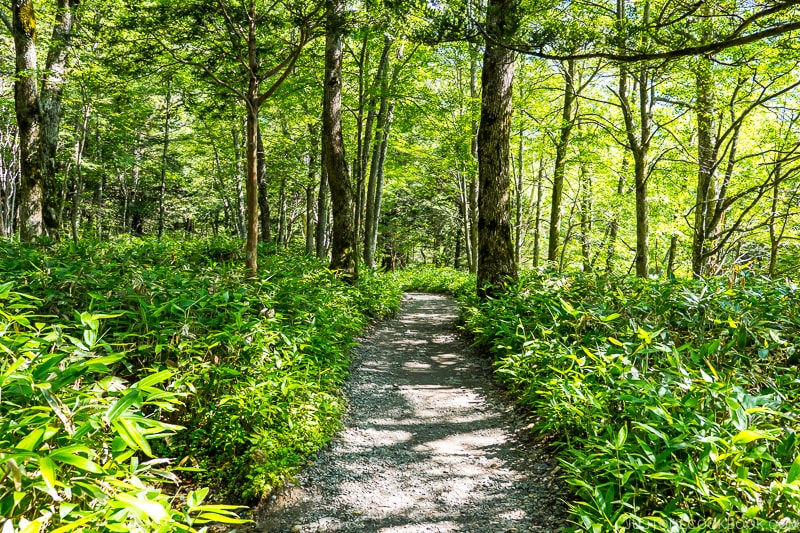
[430, 443]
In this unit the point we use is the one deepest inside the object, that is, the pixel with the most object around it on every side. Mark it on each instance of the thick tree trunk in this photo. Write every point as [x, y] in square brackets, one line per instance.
[263, 191]
[496, 266]
[50, 102]
[26, 103]
[333, 153]
[562, 145]
[165, 151]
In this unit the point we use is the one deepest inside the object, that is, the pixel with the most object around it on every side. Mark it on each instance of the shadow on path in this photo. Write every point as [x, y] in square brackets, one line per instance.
[428, 445]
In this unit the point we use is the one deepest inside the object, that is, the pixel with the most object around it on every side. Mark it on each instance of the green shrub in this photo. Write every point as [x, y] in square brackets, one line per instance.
[75, 438]
[258, 364]
[674, 403]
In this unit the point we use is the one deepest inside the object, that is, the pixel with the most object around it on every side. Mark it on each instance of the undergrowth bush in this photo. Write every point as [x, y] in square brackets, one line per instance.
[674, 403]
[251, 368]
[429, 278]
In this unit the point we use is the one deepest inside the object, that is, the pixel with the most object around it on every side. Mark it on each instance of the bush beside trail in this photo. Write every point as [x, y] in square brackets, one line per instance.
[673, 404]
[119, 354]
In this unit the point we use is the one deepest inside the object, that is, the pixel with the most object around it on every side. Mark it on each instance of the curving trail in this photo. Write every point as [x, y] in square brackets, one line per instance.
[429, 444]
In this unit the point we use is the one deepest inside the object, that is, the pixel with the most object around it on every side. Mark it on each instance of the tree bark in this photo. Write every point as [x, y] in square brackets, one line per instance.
[473, 184]
[26, 104]
[50, 103]
[322, 215]
[333, 152]
[163, 189]
[263, 191]
[562, 145]
[496, 265]
[706, 163]
[80, 145]
[537, 228]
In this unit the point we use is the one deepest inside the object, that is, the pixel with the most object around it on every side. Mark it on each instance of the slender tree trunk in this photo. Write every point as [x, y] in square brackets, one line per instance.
[281, 241]
[706, 163]
[376, 163]
[251, 184]
[26, 103]
[309, 220]
[343, 245]
[613, 229]
[496, 266]
[50, 103]
[239, 176]
[518, 230]
[472, 196]
[586, 218]
[562, 146]
[673, 251]
[263, 191]
[80, 146]
[537, 229]
[165, 151]
[322, 215]
[774, 240]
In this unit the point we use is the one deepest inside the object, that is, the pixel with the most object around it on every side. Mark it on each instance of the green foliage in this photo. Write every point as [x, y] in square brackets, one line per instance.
[251, 368]
[674, 402]
[75, 439]
[429, 278]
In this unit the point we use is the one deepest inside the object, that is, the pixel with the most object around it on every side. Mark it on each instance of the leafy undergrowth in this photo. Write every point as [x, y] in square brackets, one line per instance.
[675, 404]
[110, 350]
[440, 280]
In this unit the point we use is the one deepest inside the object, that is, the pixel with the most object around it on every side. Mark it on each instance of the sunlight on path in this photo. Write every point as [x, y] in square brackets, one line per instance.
[427, 444]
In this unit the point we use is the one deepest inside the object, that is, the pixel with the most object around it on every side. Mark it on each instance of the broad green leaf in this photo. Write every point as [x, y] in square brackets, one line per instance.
[32, 440]
[794, 471]
[152, 379]
[48, 469]
[154, 510]
[77, 461]
[745, 436]
[122, 405]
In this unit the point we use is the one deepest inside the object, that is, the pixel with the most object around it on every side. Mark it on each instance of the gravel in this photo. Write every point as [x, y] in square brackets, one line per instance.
[429, 444]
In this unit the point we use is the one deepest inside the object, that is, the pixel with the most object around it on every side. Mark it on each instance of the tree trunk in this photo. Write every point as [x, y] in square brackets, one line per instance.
[562, 145]
[586, 218]
[80, 145]
[496, 266]
[537, 229]
[251, 184]
[343, 245]
[518, 230]
[472, 196]
[281, 240]
[237, 180]
[26, 103]
[309, 220]
[263, 191]
[613, 229]
[706, 163]
[50, 102]
[378, 153]
[163, 190]
[322, 215]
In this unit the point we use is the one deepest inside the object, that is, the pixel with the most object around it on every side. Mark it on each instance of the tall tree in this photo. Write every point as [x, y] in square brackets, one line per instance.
[29, 122]
[333, 151]
[496, 265]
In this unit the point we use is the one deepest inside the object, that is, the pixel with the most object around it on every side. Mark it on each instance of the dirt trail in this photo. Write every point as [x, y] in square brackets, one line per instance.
[429, 443]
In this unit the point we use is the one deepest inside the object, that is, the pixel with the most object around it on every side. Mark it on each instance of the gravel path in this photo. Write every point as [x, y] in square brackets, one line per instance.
[429, 444]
